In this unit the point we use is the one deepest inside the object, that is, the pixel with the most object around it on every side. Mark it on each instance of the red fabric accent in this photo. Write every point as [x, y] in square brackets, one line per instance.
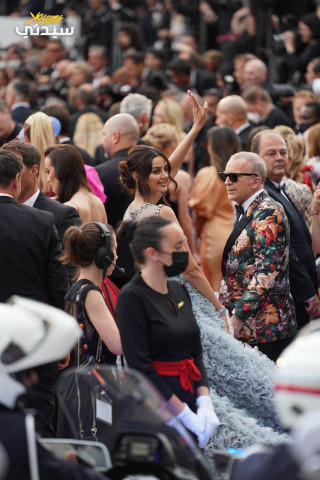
[294, 388]
[113, 292]
[186, 369]
[305, 172]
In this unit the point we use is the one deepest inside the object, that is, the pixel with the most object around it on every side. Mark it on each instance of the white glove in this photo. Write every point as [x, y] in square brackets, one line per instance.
[191, 421]
[208, 416]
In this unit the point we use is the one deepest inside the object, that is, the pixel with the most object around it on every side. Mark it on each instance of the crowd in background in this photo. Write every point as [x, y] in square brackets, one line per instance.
[257, 65]
[198, 81]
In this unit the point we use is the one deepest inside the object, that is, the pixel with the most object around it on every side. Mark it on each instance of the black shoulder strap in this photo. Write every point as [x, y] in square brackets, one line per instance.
[81, 314]
[84, 290]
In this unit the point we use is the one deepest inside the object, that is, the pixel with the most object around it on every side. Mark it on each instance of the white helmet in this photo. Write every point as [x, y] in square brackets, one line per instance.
[297, 383]
[32, 334]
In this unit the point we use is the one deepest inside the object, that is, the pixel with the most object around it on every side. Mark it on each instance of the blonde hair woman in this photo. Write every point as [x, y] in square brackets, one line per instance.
[164, 137]
[295, 188]
[312, 156]
[88, 133]
[170, 111]
[38, 131]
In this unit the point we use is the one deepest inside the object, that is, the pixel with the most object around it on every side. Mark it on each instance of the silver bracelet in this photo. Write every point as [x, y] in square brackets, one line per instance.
[222, 312]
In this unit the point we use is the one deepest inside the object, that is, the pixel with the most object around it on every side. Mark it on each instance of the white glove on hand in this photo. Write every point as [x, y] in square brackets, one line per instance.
[208, 416]
[191, 421]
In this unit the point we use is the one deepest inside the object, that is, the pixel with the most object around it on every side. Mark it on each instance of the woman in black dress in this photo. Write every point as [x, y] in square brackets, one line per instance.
[159, 333]
[91, 248]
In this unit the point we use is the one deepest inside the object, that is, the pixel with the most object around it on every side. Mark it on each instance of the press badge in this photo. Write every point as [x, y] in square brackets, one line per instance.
[104, 411]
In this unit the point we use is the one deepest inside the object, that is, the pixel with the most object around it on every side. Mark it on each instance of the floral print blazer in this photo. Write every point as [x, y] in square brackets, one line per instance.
[255, 285]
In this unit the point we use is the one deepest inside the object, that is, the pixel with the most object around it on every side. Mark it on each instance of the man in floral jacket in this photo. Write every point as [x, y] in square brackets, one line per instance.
[255, 286]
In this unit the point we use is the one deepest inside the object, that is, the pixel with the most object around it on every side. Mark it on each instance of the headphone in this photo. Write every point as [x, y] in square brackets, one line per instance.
[104, 256]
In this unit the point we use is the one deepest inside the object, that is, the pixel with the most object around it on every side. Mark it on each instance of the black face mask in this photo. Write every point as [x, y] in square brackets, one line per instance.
[179, 263]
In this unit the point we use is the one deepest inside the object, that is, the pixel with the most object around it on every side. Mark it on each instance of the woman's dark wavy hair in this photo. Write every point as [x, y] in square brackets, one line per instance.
[69, 169]
[139, 161]
[141, 235]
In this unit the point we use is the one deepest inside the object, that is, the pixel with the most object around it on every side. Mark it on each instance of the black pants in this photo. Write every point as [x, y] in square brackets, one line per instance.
[273, 349]
[44, 398]
[302, 315]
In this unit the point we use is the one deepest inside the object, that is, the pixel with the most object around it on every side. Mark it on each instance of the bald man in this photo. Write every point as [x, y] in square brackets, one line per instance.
[232, 111]
[255, 72]
[119, 134]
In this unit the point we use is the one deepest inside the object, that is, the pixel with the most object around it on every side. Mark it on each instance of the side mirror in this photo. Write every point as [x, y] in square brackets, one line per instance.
[91, 454]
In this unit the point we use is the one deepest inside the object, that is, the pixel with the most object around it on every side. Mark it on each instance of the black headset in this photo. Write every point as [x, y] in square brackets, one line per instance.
[104, 256]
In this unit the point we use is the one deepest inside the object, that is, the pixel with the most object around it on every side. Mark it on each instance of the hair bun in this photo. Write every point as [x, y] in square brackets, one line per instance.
[131, 227]
[126, 230]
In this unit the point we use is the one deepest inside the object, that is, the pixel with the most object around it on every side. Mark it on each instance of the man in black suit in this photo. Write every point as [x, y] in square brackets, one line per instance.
[63, 215]
[232, 111]
[29, 265]
[187, 78]
[8, 127]
[18, 94]
[260, 104]
[272, 148]
[120, 133]
[85, 100]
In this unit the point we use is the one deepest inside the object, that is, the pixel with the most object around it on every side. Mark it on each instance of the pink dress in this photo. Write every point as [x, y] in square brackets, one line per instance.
[94, 183]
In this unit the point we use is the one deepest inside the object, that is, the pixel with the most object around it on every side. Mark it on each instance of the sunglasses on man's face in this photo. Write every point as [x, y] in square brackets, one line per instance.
[234, 176]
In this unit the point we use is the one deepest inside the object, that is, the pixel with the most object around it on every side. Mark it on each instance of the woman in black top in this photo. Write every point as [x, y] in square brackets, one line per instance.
[92, 247]
[159, 333]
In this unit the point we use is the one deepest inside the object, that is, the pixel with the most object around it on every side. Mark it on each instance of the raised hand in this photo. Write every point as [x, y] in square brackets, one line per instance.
[199, 113]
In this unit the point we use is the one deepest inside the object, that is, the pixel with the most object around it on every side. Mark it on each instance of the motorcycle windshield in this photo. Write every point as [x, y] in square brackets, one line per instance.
[101, 402]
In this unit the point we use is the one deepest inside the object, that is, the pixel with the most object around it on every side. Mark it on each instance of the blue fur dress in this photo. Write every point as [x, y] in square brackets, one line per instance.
[241, 383]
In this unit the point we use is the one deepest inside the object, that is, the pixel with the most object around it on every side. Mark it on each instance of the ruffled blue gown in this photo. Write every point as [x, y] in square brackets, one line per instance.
[241, 382]
[240, 377]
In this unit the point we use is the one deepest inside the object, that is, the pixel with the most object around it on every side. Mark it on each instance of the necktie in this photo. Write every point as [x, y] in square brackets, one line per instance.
[239, 211]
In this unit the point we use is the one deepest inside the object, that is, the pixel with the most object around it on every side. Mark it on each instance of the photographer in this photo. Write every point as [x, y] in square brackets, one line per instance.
[301, 49]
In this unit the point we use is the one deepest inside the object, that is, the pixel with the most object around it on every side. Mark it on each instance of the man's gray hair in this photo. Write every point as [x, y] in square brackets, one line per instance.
[136, 105]
[98, 48]
[256, 163]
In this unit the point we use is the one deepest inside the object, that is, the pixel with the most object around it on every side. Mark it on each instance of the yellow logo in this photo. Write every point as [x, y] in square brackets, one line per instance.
[43, 19]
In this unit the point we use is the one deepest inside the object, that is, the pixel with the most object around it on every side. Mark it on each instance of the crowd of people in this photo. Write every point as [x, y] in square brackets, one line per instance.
[173, 141]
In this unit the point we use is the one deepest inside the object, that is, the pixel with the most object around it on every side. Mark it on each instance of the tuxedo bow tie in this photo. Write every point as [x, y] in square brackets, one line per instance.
[239, 211]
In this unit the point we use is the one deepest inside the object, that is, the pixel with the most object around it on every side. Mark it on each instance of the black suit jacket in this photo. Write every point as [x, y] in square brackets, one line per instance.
[63, 215]
[204, 80]
[243, 135]
[118, 200]
[29, 252]
[302, 269]
[20, 114]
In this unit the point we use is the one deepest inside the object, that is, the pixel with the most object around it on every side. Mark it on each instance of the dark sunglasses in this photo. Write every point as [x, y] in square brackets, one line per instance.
[234, 176]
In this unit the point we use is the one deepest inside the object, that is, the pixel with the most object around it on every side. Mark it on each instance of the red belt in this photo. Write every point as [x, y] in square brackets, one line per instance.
[186, 369]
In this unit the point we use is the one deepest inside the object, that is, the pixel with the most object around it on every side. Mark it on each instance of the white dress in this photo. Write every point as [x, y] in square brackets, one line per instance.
[240, 377]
